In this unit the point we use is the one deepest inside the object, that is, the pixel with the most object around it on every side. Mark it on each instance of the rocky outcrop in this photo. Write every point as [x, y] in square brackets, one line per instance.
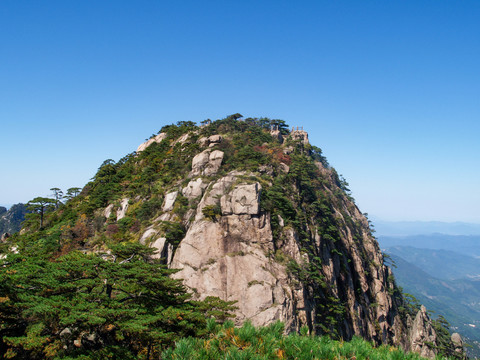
[207, 162]
[194, 189]
[164, 249]
[305, 257]
[210, 141]
[4, 237]
[299, 135]
[457, 341]
[229, 257]
[422, 336]
[11, 219]
[244, 199]
[169, 201]
[158, 139]
[122, 209]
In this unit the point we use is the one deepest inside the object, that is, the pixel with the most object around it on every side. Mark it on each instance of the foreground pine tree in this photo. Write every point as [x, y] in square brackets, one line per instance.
[89, 306]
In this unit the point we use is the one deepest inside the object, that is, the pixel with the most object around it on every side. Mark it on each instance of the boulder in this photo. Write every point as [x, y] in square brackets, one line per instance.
[214, 140]
[194, 189]
[169, 201]
[199, 162]
[207, 162]
[458, 343]
[422, 335]
[214, 161]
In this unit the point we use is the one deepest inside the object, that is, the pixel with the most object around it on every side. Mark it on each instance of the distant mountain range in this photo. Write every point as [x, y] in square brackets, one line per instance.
[468, 245]
[407, 228]
[443, 272]
[457, 300]
[442, 264]
[11, 219]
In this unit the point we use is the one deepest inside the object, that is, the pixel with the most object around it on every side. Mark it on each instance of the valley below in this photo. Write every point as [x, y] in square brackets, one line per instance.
[443, 272]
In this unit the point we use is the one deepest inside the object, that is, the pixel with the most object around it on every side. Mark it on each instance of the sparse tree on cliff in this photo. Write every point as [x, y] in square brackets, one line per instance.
[40, 205]
[58, 195]
[72, 192]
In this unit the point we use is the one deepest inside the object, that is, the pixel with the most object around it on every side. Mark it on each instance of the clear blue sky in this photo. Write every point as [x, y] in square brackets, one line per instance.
[388, 89]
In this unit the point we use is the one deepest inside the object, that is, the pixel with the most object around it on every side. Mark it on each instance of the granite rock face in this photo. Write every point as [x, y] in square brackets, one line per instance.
[231, 257]
[421, 334]
[244, 199]
[228, 258]
[194, 189]
[158, 139]
[459, 345]
[207, 163]
[325, 272]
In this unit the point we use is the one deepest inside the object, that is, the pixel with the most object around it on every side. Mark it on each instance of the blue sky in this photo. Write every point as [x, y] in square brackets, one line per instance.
[389, 90]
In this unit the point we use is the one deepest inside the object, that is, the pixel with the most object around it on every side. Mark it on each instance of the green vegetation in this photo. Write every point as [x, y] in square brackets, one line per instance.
[77, 284]
[247, 342]
[118, 304]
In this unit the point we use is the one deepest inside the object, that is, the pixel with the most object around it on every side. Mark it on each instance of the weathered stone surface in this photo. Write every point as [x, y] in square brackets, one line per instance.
[199, 162]
[159, 138]
[164, 249]
[169, 201]
[108, 211]
[194, 189]
[203, 141]
[207, 162]
[457, 341]
[215, 139]
[421, 333]
[182, 139]
[244, 199]
[234, 255]
[284, 167]
[122, 209]
[214, 162]
[300, 135]
[213, 254]
[210, 141]
[147, 235]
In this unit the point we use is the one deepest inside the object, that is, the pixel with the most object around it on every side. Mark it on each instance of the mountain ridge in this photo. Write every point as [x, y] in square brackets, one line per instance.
[244, 197]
